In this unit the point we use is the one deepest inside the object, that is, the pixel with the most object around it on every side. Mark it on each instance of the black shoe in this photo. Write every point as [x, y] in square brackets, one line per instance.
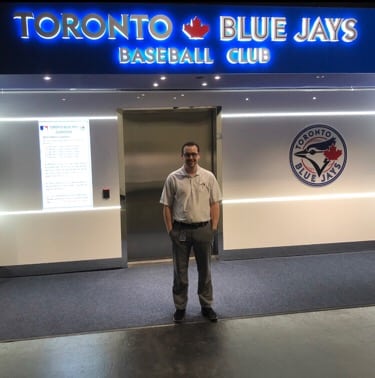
[179, 316]
[209, 313]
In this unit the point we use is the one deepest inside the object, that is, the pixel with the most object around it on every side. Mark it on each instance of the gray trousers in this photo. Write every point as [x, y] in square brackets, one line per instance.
[184, 240]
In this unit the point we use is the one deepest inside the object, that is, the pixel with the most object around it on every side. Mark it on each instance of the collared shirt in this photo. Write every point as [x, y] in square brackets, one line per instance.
[190, 197]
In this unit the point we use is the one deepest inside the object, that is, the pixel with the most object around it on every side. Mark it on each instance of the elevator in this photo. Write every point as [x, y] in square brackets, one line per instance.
[150, 143]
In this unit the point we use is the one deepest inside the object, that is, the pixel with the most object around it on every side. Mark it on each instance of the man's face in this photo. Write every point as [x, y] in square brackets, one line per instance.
[190, 156]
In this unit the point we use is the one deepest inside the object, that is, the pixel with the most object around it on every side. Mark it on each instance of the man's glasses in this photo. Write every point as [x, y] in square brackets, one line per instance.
[193, 154]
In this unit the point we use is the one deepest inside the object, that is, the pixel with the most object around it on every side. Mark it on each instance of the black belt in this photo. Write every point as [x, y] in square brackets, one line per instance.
[191, 225]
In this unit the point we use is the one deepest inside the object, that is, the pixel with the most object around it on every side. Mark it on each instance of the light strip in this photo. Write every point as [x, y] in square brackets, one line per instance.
[53, 211]
[320, 197]
[36, 119]
[224, 115]
[298, 114]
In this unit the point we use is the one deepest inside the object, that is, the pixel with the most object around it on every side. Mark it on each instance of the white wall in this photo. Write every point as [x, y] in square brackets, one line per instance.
[29, 235]
[255, 165]
[256, 168]
[59, 237]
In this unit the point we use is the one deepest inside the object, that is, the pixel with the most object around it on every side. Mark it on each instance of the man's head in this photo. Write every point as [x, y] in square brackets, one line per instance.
[189, 144]
[190, 154]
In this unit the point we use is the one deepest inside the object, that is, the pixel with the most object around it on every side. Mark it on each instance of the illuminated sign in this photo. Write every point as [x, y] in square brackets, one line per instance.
[92, 26]
[213, 39]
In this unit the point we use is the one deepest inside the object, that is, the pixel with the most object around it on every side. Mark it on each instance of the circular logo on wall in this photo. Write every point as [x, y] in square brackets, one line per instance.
[318, 155]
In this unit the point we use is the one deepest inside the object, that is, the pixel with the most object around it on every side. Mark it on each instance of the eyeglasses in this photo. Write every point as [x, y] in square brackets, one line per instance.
[193, 154]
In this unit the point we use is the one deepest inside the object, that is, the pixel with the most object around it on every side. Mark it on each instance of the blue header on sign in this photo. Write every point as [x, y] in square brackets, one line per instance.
[110, 38]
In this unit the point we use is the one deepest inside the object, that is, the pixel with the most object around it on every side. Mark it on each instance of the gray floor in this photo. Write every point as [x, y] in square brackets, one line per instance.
[324, 344]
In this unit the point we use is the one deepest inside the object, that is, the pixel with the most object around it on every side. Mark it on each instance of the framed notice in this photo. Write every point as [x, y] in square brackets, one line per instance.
[65, 157]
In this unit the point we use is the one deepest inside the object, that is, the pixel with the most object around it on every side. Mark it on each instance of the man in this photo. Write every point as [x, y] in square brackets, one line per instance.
[191, 197]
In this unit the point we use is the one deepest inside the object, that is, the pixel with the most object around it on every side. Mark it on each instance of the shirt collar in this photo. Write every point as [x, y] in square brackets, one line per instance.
[183, 171]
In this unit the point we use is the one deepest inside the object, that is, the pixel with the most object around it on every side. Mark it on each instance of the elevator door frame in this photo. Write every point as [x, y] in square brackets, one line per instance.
[216, 148]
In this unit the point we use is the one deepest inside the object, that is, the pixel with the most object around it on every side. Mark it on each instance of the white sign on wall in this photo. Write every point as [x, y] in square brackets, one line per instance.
[65, 156]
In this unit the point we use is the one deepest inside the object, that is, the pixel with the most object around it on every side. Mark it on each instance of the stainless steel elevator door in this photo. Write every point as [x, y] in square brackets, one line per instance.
[152, 140]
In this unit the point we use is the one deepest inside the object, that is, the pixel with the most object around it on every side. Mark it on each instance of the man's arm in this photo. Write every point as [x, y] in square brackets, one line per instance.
[167, 215]
[215, 215]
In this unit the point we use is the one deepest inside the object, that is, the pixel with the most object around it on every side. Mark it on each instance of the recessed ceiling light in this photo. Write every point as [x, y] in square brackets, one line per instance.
[163, 78]
[155, 84]
[247, 99]
[182, 95]
[204, 84]
[315, 98]
[47, 78]
[217, 77]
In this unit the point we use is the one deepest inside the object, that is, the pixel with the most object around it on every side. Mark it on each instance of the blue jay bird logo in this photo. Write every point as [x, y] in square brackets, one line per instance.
[318, 155]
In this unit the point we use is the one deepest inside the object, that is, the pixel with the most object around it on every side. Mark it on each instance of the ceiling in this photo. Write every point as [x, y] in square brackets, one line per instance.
[144, 82]
[102, 95]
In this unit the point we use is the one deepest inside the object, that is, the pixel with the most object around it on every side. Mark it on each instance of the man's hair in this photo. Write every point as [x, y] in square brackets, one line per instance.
[189, 144]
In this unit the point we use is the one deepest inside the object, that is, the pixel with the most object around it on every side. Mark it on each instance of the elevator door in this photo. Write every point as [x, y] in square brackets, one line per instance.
[152, 140]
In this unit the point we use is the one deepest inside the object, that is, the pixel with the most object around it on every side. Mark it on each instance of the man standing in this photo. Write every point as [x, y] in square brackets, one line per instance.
[191, 197]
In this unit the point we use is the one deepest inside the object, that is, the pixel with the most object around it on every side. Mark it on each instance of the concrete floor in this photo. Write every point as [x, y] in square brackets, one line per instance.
[325, 344]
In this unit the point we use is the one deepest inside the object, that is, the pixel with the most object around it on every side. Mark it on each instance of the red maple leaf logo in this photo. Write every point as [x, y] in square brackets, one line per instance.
[332, 153]
[195, 30]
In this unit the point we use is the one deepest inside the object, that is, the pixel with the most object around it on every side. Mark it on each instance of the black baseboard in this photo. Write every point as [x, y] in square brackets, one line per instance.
[61, 267]
[297, 250]
[235, 254]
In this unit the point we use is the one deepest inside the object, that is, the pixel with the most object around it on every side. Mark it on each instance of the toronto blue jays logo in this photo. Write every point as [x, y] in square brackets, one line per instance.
[318, 155]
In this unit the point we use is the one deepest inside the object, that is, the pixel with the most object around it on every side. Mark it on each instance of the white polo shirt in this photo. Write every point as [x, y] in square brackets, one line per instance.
[190, 197]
